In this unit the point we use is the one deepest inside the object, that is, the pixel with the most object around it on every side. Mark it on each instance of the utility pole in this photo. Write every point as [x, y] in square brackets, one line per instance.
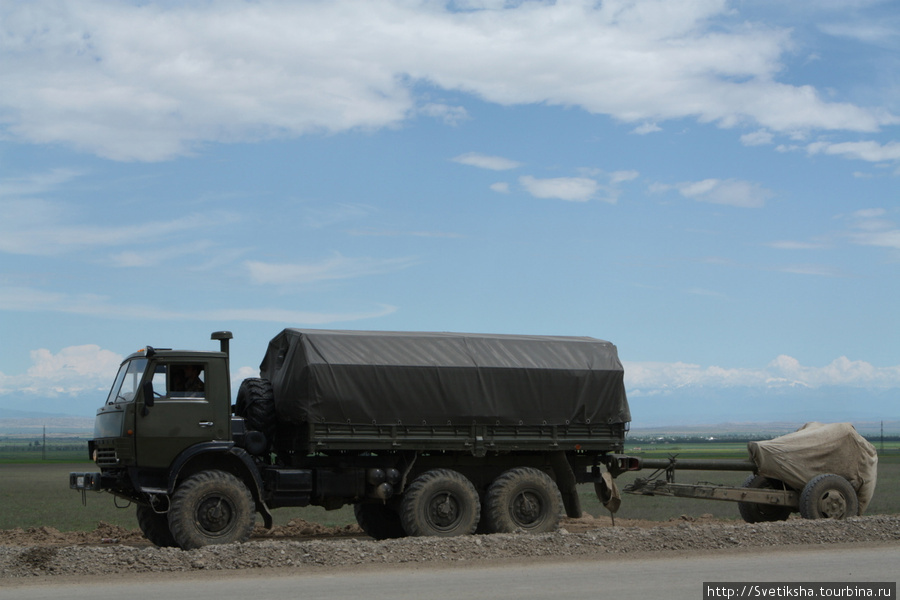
[44, 445]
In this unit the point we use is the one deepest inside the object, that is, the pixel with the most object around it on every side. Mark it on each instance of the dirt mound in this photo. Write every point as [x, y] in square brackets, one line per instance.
[299, 529]
[296, 529]
[678, 537]
[49, 536]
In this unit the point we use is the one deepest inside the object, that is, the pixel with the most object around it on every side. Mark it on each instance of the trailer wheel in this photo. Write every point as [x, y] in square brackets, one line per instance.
[828, 496]
[155, 527]
[256, 403]
[752, 512]
[523, 499]
[379, 521]
[211, 507]
[440, 502]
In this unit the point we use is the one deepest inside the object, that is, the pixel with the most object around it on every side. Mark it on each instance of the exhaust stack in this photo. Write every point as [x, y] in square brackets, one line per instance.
[223, 337]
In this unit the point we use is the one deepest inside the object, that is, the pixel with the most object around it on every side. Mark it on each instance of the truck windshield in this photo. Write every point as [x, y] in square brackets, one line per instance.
[127, 381]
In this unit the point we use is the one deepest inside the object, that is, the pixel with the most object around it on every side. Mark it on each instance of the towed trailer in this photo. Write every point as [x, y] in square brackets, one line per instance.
[788, 474]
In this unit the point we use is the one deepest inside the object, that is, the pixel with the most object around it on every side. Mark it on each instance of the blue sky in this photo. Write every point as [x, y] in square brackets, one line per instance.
[711, 185]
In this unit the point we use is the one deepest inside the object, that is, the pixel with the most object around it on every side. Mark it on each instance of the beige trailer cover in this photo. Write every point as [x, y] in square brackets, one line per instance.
[818, 448]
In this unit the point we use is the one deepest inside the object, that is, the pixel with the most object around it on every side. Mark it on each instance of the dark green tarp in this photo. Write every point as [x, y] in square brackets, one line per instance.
[370, 377]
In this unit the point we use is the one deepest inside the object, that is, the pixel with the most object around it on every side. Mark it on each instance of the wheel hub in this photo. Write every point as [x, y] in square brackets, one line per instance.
[214, 514]
[832, 505]
[444, 510]
[526, 508]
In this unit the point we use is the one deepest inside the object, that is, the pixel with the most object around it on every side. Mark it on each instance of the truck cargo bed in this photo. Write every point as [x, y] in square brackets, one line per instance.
[438, 385]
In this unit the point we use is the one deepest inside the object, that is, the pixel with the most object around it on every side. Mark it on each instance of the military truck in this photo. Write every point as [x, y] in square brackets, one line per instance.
[435, 434]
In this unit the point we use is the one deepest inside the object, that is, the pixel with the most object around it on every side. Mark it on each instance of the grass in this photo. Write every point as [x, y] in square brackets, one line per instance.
[35, 494]
[16, 450]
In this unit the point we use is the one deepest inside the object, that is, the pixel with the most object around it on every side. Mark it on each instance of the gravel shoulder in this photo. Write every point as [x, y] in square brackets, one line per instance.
[46, 554]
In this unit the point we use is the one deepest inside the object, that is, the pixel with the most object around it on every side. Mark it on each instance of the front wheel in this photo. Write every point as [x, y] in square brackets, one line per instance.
[440, 502]
[211, 507]
[828, 497]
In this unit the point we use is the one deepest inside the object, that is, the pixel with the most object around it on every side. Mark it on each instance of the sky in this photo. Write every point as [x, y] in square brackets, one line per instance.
[712, 185]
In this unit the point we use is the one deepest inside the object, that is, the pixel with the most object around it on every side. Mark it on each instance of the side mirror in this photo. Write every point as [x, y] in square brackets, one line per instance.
[148, 394]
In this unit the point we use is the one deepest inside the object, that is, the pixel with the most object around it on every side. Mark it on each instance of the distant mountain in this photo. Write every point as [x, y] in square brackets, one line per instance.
[54, 426]
[10, 413]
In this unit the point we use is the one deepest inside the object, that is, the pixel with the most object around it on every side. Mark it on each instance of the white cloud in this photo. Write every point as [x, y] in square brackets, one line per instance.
[277, 315]
[817, 270]
[35, 227]
[397, 233]
[646, 128]
[757, 138]
[871, 227]
[501, 187]
[870, 33]
[482, 161]
[883, 239]
[151, 256]
[573, 189]
[795, 245]
[151, 81]
[730, 192]
[451, 115]
[622, 176]
[784, 371]
[73, 370]
[32, 300]
[336, 267]
[868, 151]
[37, 183]
[320, 217]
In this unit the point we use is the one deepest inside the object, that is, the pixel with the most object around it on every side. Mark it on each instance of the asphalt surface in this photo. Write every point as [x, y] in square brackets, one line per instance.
[653, 575]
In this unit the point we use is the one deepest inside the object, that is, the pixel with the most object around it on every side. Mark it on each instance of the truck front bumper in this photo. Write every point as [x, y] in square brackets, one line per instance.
[84, 481]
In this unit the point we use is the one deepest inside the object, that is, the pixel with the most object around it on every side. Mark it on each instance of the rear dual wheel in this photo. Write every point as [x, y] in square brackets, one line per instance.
[522, 499]
[440, 502]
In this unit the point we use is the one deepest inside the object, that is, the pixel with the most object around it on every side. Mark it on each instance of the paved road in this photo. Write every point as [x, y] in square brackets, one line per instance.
[621, 578]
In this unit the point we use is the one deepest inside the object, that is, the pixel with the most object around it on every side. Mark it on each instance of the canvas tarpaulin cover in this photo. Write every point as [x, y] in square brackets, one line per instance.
[816, 449]
[444, 378]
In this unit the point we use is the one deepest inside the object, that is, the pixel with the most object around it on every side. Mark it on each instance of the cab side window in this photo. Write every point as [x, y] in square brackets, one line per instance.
[187, 381]
[180, 380]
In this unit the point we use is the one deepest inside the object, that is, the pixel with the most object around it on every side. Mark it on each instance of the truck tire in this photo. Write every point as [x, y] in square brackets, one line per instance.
[211, 507]
[522, 499]
[379, 521]
[828, 496]
[256, 403]
[752, 512]
[440, 502]
[155, 527]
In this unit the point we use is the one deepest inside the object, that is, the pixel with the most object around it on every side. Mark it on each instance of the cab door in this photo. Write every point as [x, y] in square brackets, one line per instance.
[188, 407]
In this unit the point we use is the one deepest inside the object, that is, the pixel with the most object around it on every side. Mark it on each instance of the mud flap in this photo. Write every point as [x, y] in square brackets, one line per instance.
[608, 492]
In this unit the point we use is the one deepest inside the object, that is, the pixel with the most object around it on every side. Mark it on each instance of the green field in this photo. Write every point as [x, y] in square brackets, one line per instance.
[35, 492]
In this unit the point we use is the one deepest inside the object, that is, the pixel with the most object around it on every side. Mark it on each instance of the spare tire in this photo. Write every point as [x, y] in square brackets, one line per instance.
[256, 404]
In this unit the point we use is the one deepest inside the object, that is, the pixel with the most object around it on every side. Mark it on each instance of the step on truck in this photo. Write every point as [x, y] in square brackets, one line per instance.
[425, 434]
